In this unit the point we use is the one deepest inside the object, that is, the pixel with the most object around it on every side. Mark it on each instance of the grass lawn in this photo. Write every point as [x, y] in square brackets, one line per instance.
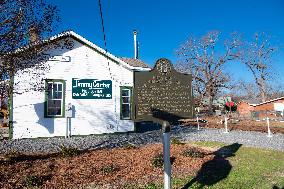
[251, 168]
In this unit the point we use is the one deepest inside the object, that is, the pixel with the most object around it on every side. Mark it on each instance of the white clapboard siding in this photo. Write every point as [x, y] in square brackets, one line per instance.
[92, 116]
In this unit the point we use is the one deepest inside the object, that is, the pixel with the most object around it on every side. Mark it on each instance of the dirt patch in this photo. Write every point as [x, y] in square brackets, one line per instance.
[116, 167]
[244, 125]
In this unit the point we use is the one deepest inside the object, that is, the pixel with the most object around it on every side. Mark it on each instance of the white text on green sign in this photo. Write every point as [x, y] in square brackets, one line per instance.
[91, 89]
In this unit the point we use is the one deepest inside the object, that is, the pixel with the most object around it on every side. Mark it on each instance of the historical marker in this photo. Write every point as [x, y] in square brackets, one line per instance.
[162, 94]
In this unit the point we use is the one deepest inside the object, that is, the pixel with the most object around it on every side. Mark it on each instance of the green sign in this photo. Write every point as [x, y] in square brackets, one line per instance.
[91, 89]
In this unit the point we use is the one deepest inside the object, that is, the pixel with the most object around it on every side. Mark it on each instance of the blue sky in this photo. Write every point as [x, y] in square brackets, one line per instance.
[165, 24]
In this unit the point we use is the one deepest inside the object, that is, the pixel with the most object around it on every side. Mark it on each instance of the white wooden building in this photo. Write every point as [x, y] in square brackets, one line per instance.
[97, 84]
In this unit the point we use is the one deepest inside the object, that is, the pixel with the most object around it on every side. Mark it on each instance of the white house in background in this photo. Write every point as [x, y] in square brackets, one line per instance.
[96, 83]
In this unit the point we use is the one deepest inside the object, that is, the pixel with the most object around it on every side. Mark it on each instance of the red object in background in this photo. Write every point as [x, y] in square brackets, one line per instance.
[230, 104]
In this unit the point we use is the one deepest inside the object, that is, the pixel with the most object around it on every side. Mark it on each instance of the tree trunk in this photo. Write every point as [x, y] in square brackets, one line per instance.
[210, 104]
[263, 98]
[262, 91]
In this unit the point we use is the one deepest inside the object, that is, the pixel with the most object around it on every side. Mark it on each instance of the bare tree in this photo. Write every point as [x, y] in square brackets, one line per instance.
[248, 91]
[275, 91]
[244, 91]
[23, 23]
[257, 56]
[199, 57]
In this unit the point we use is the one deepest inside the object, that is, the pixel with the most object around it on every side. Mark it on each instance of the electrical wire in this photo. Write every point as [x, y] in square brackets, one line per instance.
[111, 76]
[103, 27]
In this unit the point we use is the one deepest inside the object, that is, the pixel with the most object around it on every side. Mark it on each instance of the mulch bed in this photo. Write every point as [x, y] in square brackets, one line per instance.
[116, 167]
[244, 125]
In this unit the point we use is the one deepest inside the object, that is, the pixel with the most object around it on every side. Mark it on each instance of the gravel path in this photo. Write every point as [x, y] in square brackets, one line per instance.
[247, 138]
[52, 145]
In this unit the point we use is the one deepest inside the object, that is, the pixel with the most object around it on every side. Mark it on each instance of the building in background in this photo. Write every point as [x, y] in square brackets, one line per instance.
[271, 108]
[95, 85]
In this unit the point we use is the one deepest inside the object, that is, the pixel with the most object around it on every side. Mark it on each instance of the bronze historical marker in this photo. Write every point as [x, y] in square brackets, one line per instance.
[162, 94]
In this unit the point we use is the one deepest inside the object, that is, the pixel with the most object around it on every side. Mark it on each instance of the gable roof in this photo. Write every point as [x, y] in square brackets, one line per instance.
[88, 43]
[258, 104]
[280, 98]
[134, 62]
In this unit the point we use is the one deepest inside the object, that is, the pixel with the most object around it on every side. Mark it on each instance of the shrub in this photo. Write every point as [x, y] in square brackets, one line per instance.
[36, 181]
[193, 152]
[68, 152]
[176, 141]
[12, 156]
[28, 165]
[109, 169]
[158, 161]
[33, 180]
[129, 146]
[151, 186]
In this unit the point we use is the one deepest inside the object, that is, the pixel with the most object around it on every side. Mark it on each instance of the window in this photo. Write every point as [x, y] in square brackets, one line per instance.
[55, 98]
[125, 106]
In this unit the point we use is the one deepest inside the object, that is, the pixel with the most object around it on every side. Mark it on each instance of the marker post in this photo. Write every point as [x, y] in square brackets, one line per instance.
[166, 155]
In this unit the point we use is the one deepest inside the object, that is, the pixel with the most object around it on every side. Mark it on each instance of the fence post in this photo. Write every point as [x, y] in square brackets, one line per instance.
[198, 128]
[268, 127]
[226, 124]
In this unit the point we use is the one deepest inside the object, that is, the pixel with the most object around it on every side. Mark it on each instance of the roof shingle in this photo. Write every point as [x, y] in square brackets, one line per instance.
[134, 62]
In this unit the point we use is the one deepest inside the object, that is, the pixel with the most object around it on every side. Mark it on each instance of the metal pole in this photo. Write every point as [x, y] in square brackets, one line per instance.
[268, 127]
[166, 152]
[66, 134]
[198, 128]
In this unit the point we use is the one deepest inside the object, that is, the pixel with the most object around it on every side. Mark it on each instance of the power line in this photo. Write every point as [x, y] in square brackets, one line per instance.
[108, 63]
[103, 27]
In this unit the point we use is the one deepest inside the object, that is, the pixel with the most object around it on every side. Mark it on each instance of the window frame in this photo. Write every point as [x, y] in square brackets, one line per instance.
[46, 98]
[130, 102]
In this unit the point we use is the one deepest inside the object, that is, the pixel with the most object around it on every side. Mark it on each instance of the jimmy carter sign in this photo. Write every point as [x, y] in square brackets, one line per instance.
[91, 89]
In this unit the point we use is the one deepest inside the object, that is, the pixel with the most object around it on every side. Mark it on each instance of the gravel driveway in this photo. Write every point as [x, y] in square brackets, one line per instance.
[52, 145]
[247, 138]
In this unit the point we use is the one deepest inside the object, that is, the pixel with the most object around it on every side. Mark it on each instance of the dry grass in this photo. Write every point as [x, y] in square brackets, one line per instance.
[223, 166]
[131, 166]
